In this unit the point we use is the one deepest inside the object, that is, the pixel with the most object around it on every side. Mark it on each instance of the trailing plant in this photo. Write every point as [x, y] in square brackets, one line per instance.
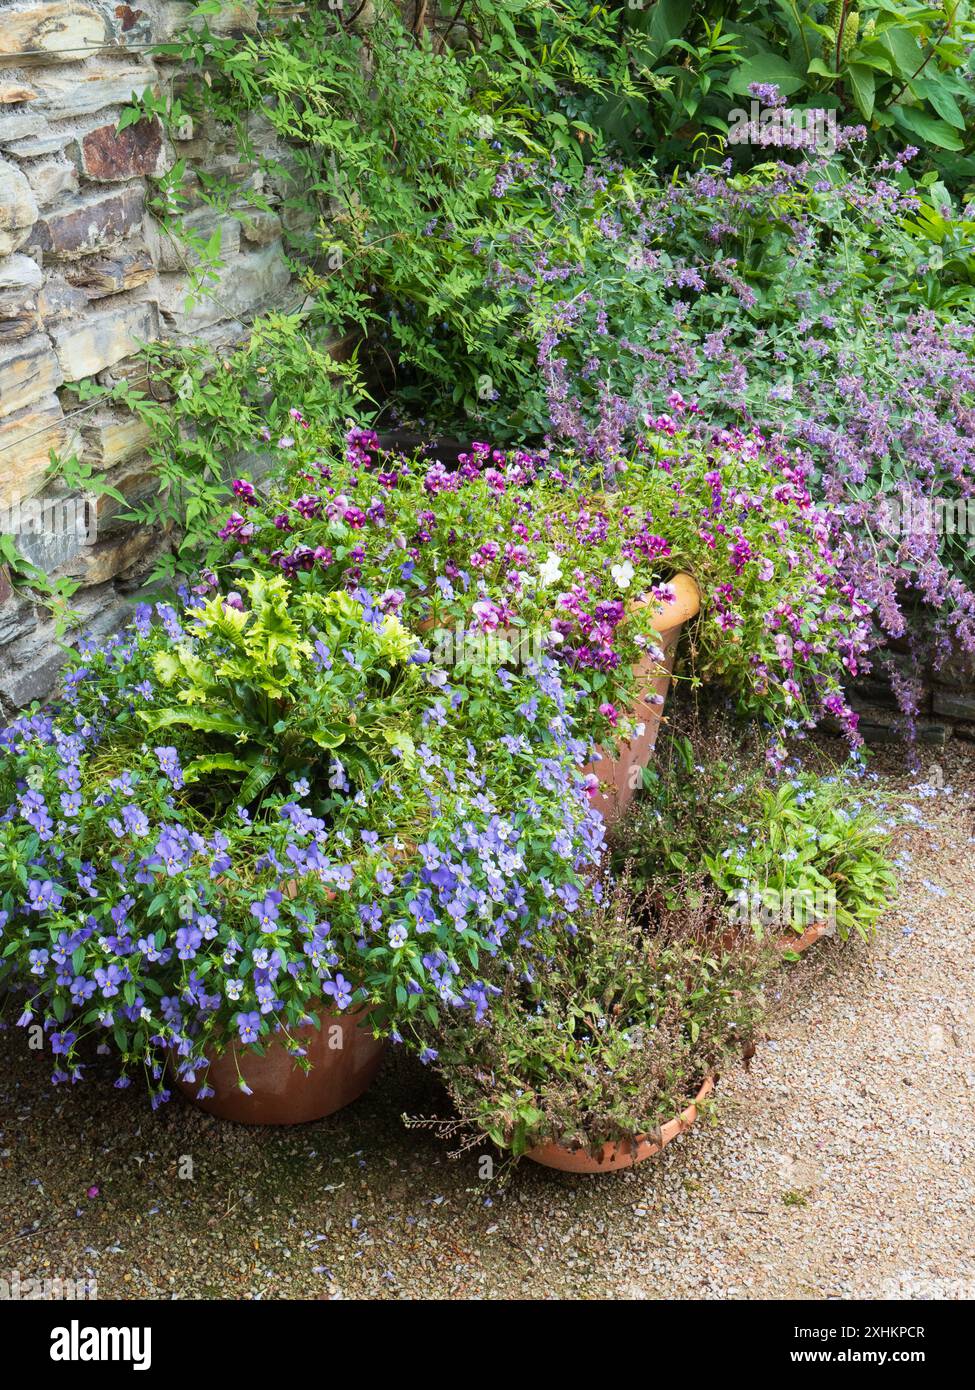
[611, 1031]
[539, 545]
[204, 413]
[141, 903]
[26, 577]
[784, 852]
[814, 845]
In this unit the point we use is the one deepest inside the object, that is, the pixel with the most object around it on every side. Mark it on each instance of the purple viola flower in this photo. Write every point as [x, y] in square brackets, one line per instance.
[109, 980]
[248, 1026]
[62, 1043]
[136, 820]
[266, 912]
[169, 764]
[340, 990]
[43, 895]
[34, 810]
[82, 989]
[370, 914]
[188, 941]
[169, 620]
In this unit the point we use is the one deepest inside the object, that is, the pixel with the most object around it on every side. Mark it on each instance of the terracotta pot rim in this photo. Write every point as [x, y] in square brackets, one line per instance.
[244, 1050]
[626, 1153]
[802, 942]
[790, 942]
[685, 604]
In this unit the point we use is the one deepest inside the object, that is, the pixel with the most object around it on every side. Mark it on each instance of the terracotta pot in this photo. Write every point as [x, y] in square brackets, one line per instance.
[612, 1158]
[789, 942]
[283, 1094]
[792, 942]
[616, 774]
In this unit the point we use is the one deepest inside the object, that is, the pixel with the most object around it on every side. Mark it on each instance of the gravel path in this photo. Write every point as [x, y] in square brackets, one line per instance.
[842, 1164]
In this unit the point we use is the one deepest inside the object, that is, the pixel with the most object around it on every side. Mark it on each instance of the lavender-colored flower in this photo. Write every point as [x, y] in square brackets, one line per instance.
[169, 764]
[340, 991]
[248, 1027]
[43, 895]
[266, 911]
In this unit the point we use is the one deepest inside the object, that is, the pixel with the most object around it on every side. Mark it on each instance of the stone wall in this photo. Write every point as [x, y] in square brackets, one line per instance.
[945, 700]
[86, 276]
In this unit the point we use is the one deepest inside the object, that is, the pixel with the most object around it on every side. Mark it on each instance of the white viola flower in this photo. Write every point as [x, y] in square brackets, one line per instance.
[550, 570]
[623, 574]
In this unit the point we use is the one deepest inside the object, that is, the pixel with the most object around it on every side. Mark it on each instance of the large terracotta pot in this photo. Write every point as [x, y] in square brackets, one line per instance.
[618, 774]
[612, 1158]
[344, 1056]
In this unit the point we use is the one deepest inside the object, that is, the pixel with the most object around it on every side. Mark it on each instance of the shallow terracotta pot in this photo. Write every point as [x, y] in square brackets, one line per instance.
[344, 1063]
[790, 941]
[617, 774]
[612, 1158]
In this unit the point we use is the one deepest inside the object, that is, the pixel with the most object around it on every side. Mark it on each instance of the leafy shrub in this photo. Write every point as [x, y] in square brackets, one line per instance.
[902, 69]
[260, 677]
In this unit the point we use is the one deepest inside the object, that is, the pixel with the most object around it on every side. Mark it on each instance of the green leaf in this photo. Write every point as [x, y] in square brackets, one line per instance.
[215, 762]
[669, 20]
[941, 99]
[864, 84]
[928, 127]
[193, 719]
[259, 777]
[902, 45]
[331, 739]
[766, 67]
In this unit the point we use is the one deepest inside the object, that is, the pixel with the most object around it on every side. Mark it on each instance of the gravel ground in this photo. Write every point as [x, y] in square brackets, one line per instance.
[840, 1165]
